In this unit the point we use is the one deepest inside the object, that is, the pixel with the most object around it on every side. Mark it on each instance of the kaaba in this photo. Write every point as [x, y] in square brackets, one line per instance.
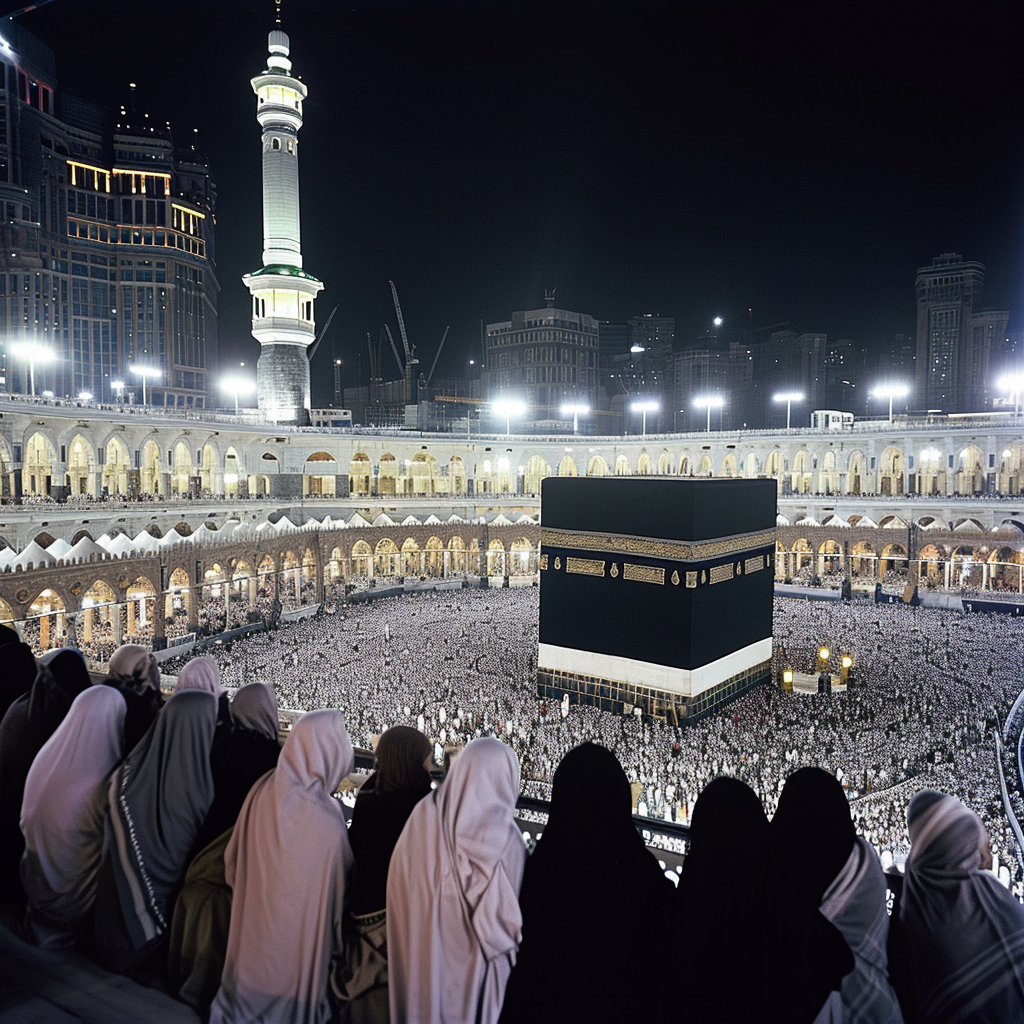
[656, 594]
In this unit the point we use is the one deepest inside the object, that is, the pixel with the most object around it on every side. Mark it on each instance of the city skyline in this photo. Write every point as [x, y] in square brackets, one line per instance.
[691, 164]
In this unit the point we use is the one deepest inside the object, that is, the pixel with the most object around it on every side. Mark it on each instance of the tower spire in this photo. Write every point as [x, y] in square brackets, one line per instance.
[282, 292]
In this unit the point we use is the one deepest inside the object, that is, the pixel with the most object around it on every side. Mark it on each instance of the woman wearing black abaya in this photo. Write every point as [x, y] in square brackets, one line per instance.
[817, 856]
[19, 668]
[134, 672]
[30, 721]
[400, 780]
[589, 889]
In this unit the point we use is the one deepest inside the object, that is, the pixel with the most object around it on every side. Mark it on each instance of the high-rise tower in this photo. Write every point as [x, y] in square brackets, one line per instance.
[282, 292]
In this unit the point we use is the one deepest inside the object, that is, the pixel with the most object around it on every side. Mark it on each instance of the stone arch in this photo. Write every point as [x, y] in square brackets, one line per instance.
[39, 465]
[181, 468]
[705, 467]
[410, 564]
[45, 625]
[597, 466]
[233, 471]
[893, 559]
[828, 478]
[802, 554]
[567, 467]
[387, 475]
[44, 539]
[892, 472]
[456, 475]
[863, 559]
[362, 559]
[801, 473]
[208, 469]
[751, 466]
[729, 467]
[622, 466]
[386, 558]
[116, 466]
[81, 466]
[643, 465]
[140, 608]
[360, 476]
[520, 559]
[319, 475]
[684, 464]
[6, 613]
[664, 464]
[423, 475]
[537, 469]
[931, 564]
[970, 471]
[433, 557]
[457, 554]
[496, 562]
[855, 473]
[1011, 469]
[830, 557]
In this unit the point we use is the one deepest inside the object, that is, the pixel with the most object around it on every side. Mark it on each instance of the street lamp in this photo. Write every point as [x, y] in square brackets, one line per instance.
[1014, 384]
[144, 372]
[575, 410]
[237, 386]
[118, 386]
[891, 391]
[644, 406]
[709, 402]
[789, 397]
[33, 354]
[508, 407]
[85, 396]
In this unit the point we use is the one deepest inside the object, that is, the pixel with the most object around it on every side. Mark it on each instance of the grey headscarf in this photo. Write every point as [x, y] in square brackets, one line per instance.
[157, 800]
[135, 666]
[255, 707]
[964, 933]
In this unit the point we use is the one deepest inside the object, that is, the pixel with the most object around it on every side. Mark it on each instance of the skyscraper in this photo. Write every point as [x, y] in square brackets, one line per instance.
[106, 242]
[955, 336]
[282, 292]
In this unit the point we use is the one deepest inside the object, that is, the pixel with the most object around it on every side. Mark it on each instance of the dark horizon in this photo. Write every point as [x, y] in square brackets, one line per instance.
[693, 163]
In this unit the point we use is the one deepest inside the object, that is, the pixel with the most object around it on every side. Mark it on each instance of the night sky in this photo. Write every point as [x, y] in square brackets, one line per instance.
[693, 160]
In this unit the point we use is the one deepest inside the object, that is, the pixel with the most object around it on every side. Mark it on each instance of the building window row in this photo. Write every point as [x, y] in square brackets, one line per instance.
[135, 236]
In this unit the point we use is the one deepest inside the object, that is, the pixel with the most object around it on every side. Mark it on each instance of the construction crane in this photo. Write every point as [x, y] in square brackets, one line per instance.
[316, 344]
[410, 353]
[438, 356]
[394, 348]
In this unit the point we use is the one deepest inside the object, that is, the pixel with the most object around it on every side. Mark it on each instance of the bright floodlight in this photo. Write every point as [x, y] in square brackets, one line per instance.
[890, 391]
[575, 410]
[117, 385]
[636, 349]
[709, 402]
[1014, 384]
[145, 372]
[509, 407]
[789, 397]
[718, 321]
[32, 354]
[237, 386]
[85, 396]
[644, 406]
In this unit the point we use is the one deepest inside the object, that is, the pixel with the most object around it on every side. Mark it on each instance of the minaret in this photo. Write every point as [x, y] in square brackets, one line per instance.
[282, 292]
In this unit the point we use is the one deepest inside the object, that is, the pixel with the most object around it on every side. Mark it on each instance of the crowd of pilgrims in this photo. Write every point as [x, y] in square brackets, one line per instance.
[459, 664]
[176, 842]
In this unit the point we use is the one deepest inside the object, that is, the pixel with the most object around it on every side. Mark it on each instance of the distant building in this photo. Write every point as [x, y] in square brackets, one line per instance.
[106, 242]
[955, 337]
[544, 357]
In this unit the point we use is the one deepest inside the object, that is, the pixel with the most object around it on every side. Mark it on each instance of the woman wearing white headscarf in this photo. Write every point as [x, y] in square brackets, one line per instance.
[960, 944]
[62, 816]
[287, 863]
[453, 918]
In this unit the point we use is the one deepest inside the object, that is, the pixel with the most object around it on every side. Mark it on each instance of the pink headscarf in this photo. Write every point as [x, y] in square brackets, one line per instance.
[453, 894]
[65, 803]
[287, 863]
[200, 674]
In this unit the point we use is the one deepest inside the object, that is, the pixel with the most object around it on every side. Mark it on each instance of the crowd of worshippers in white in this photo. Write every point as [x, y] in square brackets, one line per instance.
[458, 665]
[176, 839]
